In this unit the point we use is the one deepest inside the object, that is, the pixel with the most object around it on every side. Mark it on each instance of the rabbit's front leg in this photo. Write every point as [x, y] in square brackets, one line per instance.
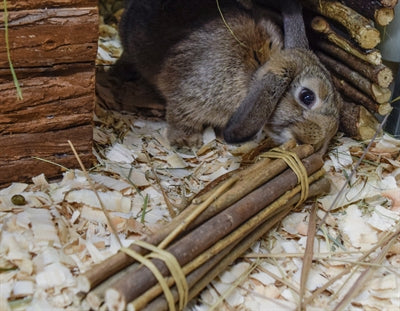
[180, 135]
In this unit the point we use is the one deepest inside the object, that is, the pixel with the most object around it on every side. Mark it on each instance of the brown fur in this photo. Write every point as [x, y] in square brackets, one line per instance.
[209, 77]
[206, 77]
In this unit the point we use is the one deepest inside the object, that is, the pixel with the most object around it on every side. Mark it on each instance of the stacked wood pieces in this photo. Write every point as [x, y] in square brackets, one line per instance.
[256, 198]
[345, 39]
[53, 47]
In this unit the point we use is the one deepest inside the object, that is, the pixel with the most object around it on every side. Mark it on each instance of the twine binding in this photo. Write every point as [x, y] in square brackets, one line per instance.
[173, 266]
[294, 162]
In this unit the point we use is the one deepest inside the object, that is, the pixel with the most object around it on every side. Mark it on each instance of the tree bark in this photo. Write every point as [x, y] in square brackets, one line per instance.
[379, 74]
[37, 4]
[17, 152]
[320, 25]
[46, 37]
[359, 27]
[54, 98]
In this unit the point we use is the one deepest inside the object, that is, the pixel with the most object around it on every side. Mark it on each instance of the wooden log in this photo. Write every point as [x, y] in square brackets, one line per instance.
[17, 152]
[377, 93]
[372, 9]
[13, 5]
[357, 122]
[45, 37]
[349, 91]
[321, 25]
[201, 238]
[359, 27]
[379, 74]
[55, 98]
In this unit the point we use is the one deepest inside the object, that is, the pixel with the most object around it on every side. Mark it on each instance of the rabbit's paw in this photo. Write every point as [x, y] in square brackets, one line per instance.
[184, 137]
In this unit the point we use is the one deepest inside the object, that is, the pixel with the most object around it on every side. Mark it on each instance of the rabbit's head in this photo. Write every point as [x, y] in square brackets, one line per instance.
[293, 96]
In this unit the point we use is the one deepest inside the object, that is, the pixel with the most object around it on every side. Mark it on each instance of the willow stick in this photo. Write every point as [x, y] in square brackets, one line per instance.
[308, 254]
[358, 97]
[378, 94]
[372, 9]
[321, 25]
[195, 242]
[379, 74]
[249, 179]
[265, 168]
[360, 28]
[261, 223]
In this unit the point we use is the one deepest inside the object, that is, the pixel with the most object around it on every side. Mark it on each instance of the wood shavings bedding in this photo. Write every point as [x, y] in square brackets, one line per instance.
[60, 232]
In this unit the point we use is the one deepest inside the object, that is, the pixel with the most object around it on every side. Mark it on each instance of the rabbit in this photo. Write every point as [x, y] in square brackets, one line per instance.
[239, 76]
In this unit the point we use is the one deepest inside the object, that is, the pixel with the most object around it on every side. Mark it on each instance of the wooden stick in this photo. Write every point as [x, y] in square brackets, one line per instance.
[359, 27]
[321, 25]
[119, 261]
[195, 242]
[202, 276]
[377, 93]
[379, 74]
[357, 122]
[372, 9]
[250, 179]
[350, 92]
[308, 254]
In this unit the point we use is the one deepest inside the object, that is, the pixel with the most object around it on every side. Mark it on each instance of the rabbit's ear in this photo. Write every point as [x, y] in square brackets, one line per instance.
[256, 108]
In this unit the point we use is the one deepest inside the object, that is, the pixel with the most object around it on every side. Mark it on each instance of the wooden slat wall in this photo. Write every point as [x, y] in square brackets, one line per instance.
[53, 50]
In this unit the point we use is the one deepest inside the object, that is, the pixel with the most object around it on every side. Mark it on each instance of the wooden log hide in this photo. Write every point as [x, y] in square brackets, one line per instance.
[53, 47]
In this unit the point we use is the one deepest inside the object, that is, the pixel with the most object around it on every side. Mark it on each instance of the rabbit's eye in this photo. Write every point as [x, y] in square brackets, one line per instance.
[307, 97]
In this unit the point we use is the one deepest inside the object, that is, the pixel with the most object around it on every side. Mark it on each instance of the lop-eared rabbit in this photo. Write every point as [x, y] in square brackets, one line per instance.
[222, 64]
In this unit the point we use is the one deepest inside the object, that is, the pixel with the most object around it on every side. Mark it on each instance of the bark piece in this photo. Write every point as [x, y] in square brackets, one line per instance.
[377, 93]
[359, 27]
[379, 74]
[321, 25]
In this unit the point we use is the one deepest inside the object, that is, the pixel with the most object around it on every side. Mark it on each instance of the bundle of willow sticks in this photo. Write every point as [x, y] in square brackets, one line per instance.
[219, 225]
[345, 38]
